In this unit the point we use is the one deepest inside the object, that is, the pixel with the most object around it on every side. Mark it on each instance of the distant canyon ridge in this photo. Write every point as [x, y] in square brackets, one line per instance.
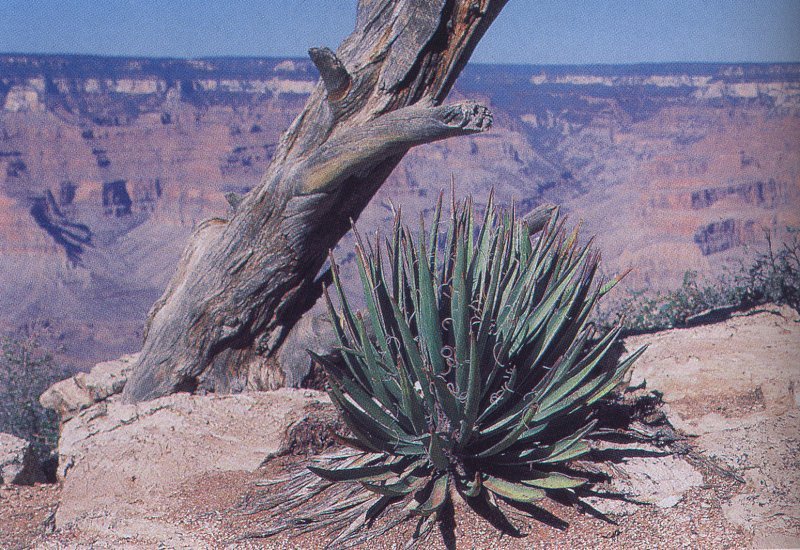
[107, 164]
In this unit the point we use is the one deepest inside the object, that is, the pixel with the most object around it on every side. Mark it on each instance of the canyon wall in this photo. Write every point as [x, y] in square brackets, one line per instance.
[107, 164]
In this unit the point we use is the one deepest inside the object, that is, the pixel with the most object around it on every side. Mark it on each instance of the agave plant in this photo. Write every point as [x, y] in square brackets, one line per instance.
[472, 370]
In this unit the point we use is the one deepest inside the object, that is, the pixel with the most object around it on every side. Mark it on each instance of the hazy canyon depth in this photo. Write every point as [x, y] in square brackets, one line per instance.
[107, 164]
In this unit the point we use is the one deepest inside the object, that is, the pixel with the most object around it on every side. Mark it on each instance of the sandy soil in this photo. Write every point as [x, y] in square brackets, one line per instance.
[26, 513]
[207, 513]
[697, 522]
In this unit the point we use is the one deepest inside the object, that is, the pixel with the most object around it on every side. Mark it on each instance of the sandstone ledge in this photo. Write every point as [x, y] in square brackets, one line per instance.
[69, 397]
[120, 462]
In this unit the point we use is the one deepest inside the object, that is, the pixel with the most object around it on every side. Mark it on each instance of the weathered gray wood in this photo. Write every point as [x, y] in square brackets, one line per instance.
[243, 283]
[332, 72]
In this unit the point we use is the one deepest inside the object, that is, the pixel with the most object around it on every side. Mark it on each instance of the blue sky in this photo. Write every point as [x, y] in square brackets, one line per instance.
[528, 31]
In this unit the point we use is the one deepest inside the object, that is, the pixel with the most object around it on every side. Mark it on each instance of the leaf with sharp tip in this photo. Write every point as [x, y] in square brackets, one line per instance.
[347, 314]
[437, 497]
[615, 380]
[413, 449]
[350, 442]
[606, 288]
[428, 316]
[393, 248]
[557, 374]
[369, 285]
[511, 437]
[373, 410]
[517, 492]
[363, 436]
[554, 481]
[481, 251]
[569, 447]
[365, 427]
[398, 489]
[433, 239]
[375, 371]
[579, 448]
[582, 396]
[569, 391]
[351, 474]
[459, 308]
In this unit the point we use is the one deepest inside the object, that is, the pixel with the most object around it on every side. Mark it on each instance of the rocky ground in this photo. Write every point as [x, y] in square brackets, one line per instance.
[172, 473]
[27, 512]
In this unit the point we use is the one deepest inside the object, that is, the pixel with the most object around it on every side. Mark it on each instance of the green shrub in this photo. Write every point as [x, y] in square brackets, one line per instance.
[473, 368]
[26, 370]
[772, 277]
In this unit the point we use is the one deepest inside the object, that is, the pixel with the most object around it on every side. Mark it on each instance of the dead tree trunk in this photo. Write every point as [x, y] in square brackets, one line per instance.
[243, 283]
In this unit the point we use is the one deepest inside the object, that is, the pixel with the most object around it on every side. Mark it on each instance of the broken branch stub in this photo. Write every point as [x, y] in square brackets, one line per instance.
[243, 283]
[358, 149]
[331, 72]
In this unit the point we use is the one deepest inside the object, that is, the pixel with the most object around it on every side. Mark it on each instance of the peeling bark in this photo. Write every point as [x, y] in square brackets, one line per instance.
[243, 283]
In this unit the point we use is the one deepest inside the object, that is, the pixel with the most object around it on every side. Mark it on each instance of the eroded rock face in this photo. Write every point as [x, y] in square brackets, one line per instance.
[18, 463]
[119, 462]
[107, 165]
[83, 390]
